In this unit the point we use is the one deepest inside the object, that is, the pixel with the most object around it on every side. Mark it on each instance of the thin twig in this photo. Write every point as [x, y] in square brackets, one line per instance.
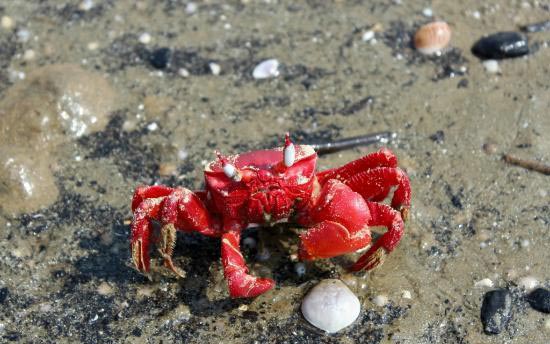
[363, 140]
[528, 164]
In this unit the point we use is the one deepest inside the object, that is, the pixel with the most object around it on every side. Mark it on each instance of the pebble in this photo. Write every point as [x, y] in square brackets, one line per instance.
[86, 5]
[490, 148]
[266, 69]
[23, 35]
[7, 22]
[160, 58]
[183, 72]
[496, 310]
[491, 66]
[539, 299]
[501, 45]
[145, 38]
[432, 37]
[528, 283]
[215, 68]
[331, 306]
[406, 294]
[380, 300]
[427, 12]
[191, 8]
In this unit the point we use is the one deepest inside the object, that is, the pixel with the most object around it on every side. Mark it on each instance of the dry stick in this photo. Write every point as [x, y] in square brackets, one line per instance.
[363, 140]
[528, 164]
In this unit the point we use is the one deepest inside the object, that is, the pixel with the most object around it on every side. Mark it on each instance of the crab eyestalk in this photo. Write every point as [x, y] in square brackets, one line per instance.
[229, 169]
[289, 152]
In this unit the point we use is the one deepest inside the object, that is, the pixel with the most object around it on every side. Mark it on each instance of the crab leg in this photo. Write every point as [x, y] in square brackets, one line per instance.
[240, 283]
[381, 215]
[176, 209]
[373, 176]
[338, 223]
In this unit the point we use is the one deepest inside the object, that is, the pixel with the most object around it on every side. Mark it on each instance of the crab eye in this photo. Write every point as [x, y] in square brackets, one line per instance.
[289, 153]
[229, 170]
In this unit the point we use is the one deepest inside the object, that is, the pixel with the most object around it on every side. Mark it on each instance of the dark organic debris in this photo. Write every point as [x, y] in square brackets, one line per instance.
[528, 164]
[496, 311]
[501, 45]
[537, 27]
[539, 299]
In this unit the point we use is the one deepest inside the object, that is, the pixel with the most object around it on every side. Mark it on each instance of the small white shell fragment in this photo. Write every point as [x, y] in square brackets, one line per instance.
[266, 69]
[380, 300]
[528, 282]
[491, 66]
[289, 155]
[484, 283]
[331, 306]
[300, 269]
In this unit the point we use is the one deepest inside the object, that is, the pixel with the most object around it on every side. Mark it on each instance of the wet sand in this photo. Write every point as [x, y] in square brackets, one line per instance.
[65, 267]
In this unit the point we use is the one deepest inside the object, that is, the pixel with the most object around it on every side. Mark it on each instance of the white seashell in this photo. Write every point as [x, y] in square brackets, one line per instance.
[331, 306]
[266, 69]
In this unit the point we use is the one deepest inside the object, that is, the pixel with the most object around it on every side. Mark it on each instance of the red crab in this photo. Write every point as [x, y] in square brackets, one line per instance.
[336, 206]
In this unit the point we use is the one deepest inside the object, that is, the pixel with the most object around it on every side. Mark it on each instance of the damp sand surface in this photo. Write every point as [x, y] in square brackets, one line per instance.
[172, 81]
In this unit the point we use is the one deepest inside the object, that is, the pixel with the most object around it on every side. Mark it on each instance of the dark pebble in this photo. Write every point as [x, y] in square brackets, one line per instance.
[3, 294]
[438, 137]
[501, 45]
[160, 58]
[539, 299]
[496, 310]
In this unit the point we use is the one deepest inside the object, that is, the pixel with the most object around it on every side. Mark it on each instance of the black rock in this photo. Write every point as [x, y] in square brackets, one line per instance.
[537, 27]
[496, 310]
[3, 294]
[539, 299]
[501, 45]
[160, 58]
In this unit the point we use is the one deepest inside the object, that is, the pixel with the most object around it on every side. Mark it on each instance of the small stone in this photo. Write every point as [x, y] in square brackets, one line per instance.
[160, 58]
[191, 8]
[490, 148]
[406, 294]
[380, 300]
[484, 283]
[501, 45]
[528, 283]
[215, 68]
[105, 289]
[23, 35]
[152, 126]
[427, 12]
[7, 22]
[266, 69]
[496, 310]
[491, 66]
[537, 27]
[167, 169]
[145, 38]
[4, 292]
[331, 306]
[539, 299]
